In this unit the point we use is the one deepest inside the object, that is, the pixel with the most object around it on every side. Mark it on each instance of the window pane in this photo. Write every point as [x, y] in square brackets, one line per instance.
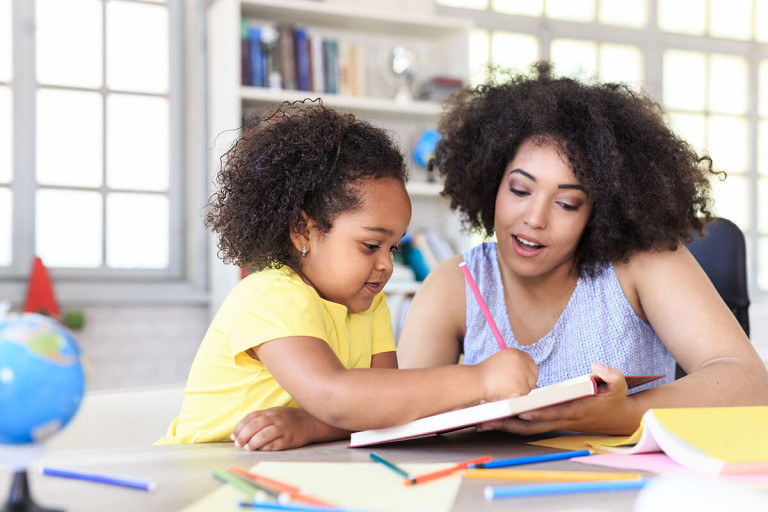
[523, 7]
[469, 4]
[625, 13]
[762, 89]
[137, 231]
[69, 138]
[6, 135]
[516, 51]
[137, 142]
[572, 10]
[5, 41]
[6, 210]
[761, 21]
[691, 128]
[68, 228]
[621, 63]
[683, 76]
[732, 199]
[683, 16]
[730, 19]
[69, 46]
[727, 143]
[479, 55]
[728, 89]
[574, 58]
[137, 47]
[762, 206]
[762, 148]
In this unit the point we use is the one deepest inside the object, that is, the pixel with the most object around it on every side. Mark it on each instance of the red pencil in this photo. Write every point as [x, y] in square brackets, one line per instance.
[295, 493]
[426, 477]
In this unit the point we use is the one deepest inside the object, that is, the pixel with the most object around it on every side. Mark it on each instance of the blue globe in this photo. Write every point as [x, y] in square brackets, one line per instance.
[424, 147]
[42, 378]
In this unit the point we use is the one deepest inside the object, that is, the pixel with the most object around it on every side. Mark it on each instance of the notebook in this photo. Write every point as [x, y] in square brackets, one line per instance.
[565, 391]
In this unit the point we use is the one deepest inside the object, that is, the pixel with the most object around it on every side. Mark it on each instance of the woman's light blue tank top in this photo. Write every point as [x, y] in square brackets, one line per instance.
[597, 325]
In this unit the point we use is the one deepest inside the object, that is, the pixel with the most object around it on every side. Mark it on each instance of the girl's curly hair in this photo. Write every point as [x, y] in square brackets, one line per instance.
[650, 188]
[302, 157]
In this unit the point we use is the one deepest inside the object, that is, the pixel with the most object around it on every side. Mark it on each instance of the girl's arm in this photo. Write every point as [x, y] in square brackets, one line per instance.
[671, 291]
[366, 398]
[282, 428]
[434, 328]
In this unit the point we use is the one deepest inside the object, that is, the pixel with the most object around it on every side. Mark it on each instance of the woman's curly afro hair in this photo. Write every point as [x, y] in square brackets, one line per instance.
[650, 188]
[302, 157]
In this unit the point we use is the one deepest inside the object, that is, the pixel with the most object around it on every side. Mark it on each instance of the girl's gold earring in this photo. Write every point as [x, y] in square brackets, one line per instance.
[303, 251]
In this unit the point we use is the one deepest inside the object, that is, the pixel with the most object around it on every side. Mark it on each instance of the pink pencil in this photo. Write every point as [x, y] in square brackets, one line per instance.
[483, 306]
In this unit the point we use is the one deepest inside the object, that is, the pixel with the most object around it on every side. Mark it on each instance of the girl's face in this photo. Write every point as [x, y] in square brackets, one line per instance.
[541, 211]
[351, 263]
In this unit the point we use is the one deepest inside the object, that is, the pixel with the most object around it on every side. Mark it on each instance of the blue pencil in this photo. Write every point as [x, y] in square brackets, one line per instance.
[133, 483]
[519, 461]
[513, 491]
[295, 507]
[393, 467]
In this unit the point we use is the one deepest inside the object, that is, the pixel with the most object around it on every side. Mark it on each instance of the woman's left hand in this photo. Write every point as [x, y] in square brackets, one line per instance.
[606, 412]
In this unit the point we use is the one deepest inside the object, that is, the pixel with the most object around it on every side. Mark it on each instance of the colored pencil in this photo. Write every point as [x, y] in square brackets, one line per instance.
[253, 492]
[296, 507]
[513, 491]
[426, 477]
[133, 483]
[548, 476]
[295, 493]
[483, 305]
[400, 471]
[519, 461]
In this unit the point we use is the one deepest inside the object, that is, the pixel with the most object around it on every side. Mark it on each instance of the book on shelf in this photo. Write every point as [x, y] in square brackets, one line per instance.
[565, 391]
[292, 57]
[711, 440]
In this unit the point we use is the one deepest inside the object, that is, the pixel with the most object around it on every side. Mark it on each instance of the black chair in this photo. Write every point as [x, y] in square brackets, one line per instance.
[722, 254]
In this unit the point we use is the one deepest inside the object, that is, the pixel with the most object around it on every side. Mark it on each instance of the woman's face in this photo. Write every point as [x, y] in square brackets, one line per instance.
[541, 211]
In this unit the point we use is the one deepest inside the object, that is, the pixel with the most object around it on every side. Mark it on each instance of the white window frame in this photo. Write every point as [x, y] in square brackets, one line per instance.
[652, 42]
[184, 281]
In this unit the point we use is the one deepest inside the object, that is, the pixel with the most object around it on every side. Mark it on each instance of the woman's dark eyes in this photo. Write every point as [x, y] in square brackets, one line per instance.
[372, 247]
[518, 192]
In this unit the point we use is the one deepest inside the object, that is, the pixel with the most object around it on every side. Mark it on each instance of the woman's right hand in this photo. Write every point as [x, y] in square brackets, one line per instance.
[508, 373]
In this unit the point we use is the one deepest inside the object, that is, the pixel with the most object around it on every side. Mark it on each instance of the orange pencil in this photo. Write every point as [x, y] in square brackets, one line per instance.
[426, 477]
[295, 493]
[548, 476]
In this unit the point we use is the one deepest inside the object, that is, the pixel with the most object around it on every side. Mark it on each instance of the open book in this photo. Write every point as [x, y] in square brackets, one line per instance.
[711, 440]
[571, 389]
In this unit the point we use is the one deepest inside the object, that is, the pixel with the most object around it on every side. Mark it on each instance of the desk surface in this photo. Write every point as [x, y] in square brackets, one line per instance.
[183, 473]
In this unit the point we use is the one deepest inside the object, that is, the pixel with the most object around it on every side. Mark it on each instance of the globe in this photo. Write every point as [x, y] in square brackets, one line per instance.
[424, 148]
[42, 378]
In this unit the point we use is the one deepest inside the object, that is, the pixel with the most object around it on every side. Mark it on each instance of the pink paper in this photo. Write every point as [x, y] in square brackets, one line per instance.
[657, 463]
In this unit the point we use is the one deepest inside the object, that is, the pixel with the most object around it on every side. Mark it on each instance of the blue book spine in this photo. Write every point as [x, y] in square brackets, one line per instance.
[256, 56]
[303, 68]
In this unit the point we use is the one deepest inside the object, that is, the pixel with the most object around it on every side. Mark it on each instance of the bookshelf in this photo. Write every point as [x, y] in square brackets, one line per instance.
[441, 44]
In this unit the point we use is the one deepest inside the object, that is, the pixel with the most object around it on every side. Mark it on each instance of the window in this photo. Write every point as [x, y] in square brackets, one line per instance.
[92, 149]
[705, 61]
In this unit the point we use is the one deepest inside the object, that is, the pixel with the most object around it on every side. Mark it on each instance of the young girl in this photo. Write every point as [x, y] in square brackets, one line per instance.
[302, 350]
[589, 195]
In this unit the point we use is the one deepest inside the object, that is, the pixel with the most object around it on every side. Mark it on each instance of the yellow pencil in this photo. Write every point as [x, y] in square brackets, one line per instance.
[548, 476]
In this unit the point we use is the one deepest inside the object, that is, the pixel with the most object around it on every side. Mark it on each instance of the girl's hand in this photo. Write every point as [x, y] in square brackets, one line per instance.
[603, 413]
[282, 428]
[508, 373]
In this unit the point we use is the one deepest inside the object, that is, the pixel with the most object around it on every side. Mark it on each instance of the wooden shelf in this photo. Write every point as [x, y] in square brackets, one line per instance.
[253, 96]
[350, 17]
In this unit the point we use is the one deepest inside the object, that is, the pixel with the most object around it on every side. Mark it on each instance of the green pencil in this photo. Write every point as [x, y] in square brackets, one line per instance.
[256, 494]
[393, 467]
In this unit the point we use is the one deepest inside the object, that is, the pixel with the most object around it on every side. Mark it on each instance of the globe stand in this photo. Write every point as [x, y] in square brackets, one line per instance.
[20, 499]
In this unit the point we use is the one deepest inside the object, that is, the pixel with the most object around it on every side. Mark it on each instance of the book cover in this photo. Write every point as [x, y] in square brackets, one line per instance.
[301, 51]
[287, 56]
[245, 66]
[711, 440]
[256, 56]
[565, 391]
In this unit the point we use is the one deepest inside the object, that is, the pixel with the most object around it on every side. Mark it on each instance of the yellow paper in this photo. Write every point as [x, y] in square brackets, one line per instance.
[577, 442]
[356, 485]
